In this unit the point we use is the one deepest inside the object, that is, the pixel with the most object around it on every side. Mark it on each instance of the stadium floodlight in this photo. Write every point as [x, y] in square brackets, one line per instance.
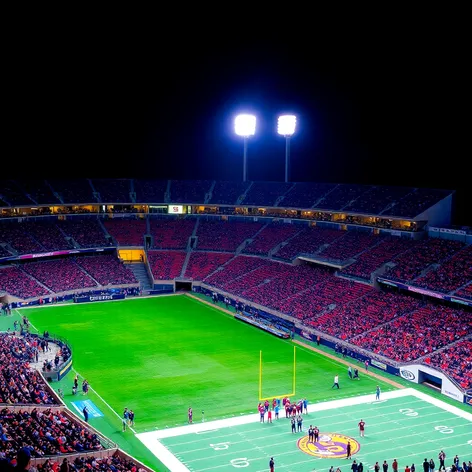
[245, 126]
[286, 128]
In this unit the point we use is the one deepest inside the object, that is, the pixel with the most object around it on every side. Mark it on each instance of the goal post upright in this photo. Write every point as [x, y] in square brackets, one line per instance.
[294, 378]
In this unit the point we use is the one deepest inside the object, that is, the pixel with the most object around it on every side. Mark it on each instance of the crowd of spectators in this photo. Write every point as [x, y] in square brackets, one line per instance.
[45, 432]
[170, 233]
[107, 269]
[116, 462]
[20, 384]
[465, 292]
[456, 361]
[271, 236]
[451, 274]
[127, 232]
[349, 245]
[16, 236]
[166, 265]
[351, 319]
[47, 234]
[410, 264]
[88, 233]
[418, 333]
[219, 235]
[308, 241]
[202, 264]
[17, 283]
[233, 270]
[59, 275]
[372, 259]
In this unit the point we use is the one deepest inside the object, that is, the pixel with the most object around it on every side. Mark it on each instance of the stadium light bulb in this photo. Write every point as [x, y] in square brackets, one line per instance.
[286, 125]
[245, 125]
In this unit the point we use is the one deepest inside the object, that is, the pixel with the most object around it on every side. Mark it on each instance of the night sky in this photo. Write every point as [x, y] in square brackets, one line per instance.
[381, 107]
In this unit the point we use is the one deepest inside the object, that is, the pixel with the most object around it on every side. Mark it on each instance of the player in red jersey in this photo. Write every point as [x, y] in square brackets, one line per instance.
[361, 427]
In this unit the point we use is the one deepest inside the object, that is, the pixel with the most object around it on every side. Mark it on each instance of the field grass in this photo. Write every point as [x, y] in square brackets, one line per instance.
[160, 355]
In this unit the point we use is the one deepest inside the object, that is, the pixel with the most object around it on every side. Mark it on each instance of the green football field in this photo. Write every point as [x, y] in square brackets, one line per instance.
[160, 355]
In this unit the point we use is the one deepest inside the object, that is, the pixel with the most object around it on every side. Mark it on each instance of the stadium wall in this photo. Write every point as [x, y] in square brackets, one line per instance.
[439, 214]
[417, 373]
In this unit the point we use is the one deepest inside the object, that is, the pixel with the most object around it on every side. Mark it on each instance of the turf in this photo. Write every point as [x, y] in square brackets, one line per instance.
[160, 355]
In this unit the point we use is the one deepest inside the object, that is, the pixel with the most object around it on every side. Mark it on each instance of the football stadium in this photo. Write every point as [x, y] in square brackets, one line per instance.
[208, 325]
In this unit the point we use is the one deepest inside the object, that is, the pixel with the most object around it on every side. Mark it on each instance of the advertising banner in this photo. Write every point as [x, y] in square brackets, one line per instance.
[100, 298]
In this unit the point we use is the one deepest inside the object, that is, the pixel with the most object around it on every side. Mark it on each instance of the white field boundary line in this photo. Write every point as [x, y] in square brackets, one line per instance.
[151, 439]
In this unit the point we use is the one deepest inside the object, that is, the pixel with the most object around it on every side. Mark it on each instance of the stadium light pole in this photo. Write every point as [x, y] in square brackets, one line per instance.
[286, 127]
[245, 126]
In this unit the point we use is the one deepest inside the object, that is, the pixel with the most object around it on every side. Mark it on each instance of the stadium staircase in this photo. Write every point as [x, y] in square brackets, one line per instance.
[140, 272]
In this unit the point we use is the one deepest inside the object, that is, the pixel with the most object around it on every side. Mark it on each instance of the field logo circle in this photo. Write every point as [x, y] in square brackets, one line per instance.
[328, 446]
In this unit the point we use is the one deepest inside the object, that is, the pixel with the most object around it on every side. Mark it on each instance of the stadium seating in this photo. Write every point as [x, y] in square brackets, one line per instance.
[377, 199]
[112, 190]
[59, 275]
[88, 233]
[372, 259]
[47, 234]
[452, 274]
[166, 265]
[362, 314]
[305, 194]
[18, 284]
[270, 237]
[265, 193]
[16, 236]
[456, 361]
[341, 196]
[412, 263]
[227, 192]
[127, 232]
[417, 334]
[307, 242]
[73, 190]
[203, 264]
[150, 191]
[189, 191]
[170, 233]
[349, 245]
[107, 270]
[220, 235]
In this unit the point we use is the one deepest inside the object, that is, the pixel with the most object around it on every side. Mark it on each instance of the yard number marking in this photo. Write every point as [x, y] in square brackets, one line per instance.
[220, 446]
[408, 411]
[444, 429]
[241, 462]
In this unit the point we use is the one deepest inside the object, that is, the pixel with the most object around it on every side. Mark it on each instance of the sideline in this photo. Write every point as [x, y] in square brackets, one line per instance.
[311, 348]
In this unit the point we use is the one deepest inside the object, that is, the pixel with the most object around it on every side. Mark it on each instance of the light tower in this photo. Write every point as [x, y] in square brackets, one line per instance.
[245, 126]
[286, 128]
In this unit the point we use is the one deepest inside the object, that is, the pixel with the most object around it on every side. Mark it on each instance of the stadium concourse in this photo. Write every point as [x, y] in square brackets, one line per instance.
[376, 269]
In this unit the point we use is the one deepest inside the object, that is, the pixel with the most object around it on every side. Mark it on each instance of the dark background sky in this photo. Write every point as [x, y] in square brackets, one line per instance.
[379, 104]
